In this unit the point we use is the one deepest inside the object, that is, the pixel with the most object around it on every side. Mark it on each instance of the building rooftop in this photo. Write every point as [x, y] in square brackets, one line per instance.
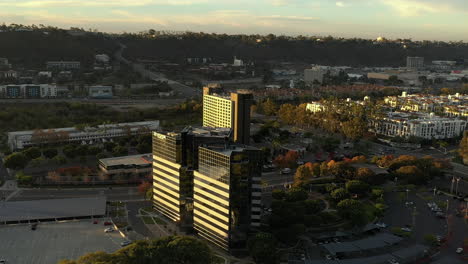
[52, 209]
[142, 159]
[153, 125]
[208, 131]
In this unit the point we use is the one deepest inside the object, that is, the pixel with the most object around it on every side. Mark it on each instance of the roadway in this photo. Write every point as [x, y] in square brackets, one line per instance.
[184, 90]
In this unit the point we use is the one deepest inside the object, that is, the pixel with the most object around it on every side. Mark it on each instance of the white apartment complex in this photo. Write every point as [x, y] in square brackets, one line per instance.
[88, 135]
[427, 126]
[450, 105]
[315, 107]
[414, 62]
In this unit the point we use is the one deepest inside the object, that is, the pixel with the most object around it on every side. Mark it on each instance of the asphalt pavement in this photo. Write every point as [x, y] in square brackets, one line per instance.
[136, 222]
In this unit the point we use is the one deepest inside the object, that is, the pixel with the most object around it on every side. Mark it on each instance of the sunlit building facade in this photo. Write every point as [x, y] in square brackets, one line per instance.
[227, 194]
[228, 112]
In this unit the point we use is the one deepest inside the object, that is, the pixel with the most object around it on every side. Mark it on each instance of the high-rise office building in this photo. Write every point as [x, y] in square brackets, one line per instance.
[227, 194]
[175, 156]
[228, 111]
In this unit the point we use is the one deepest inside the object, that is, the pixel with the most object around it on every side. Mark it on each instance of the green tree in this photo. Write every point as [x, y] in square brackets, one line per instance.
[119, 151]
[296, 194]
[357, 187]
[262, 248]
[109, 146]
[430, 240]
[339, 194]
[23, 179]
[354, 129]
[32, 153]
[353, 211]
[70, 151]
[16, 161]
[278, 194]
[50, 153]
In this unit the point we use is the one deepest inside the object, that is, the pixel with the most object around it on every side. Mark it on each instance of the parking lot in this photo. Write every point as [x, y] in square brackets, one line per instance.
[52, 242]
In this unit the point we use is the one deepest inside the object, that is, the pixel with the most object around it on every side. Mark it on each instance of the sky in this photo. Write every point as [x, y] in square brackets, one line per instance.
[416, 19]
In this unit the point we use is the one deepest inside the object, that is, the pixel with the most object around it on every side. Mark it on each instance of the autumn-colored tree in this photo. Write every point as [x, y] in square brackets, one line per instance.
[359, 159]
[302, 176]
[289, 160]
[354, 129]
[411, 174]
[144, 188]
[269, 107]
[287, 113]
[365, 175]
[463, 150]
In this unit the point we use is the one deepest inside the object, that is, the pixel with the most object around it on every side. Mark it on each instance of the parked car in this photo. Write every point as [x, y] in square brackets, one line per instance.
[2, 261]
[458, 251]
[34, 226]
[285, 171]
[107, 223]
[440, 215]
[393, 261]
[125, 243]
[109, 230]
[95, 222]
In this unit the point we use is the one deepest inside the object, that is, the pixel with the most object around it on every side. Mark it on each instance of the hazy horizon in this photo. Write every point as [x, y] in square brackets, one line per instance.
[412, 19]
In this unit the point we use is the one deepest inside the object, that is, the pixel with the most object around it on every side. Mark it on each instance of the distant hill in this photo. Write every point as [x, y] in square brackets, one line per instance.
[32, 48]
[327, 51]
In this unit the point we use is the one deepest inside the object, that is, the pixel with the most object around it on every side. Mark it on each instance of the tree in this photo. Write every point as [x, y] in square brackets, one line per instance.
[296, 194]
[171, 249]
[278, 194]
[109, 146]
[354, 129]
[144, 147]
[357, 187]
[339, 194]
[70, 151]
[262, 248]
[463, 150]
[302, 176]
[269, 107]
[119, 151]
[143, 188]
[411, 174]
[16, 161]
[352, 210]
[365, 175]
[50, 153]
[32, 153]
[23, 179]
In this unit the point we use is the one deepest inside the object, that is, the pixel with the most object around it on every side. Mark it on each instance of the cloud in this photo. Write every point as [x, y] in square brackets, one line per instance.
[340, 4]
[411, 8]
[96, 3]
[289, 18]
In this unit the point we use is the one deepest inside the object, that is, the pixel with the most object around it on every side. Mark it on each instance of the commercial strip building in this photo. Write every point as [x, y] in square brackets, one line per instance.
[100, 92]
[135, 166]
[427, 126]
[228, 112]
[28, 91]
[88, 135]
[63, 65]
[414, 63]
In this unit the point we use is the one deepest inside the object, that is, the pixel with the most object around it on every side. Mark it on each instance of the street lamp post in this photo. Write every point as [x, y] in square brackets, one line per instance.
[407, 191]
[451, 188]
[456, 188]
[446, 213]
[435, 189]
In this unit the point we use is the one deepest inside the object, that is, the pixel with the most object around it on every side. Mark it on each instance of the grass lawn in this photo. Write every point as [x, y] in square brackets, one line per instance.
[159, 221]
[147, 220]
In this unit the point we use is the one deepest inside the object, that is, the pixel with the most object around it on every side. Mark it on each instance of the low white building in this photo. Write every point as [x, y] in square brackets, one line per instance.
[102, 58]
[63, 65]
[315, 107]
[427, 126]
[28, 91]
[87, 135]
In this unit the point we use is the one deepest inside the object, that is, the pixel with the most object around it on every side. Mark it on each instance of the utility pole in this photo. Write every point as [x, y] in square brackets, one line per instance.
[435, 189]
[456, 189]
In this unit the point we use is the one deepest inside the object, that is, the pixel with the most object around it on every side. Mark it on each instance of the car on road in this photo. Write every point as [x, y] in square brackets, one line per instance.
[440, 215]
[125, 243]
[393, 261]
[459, 250]
[109, 230]
[285, 171]
[406, 229]
[2, 261]
[34, 226]
[107, 223]
[95, 222]
[381, 225]
[409, 203]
